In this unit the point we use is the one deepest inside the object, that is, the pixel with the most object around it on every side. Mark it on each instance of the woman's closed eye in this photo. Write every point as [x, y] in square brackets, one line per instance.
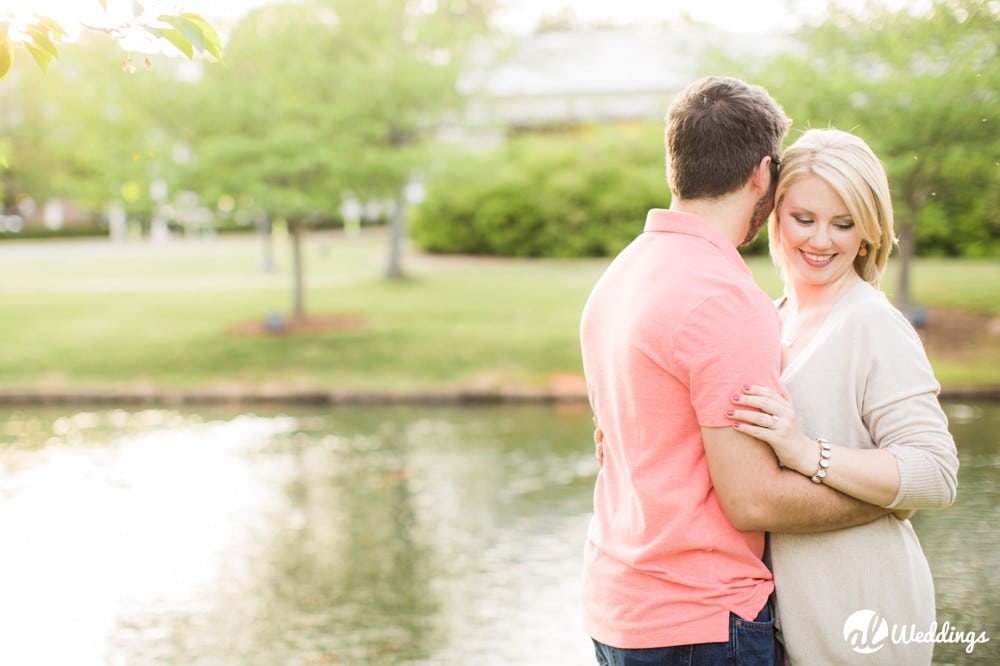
[842, 226]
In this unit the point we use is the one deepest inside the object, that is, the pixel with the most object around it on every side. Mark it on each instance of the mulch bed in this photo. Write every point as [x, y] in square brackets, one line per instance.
[950, 332]
[310, 324]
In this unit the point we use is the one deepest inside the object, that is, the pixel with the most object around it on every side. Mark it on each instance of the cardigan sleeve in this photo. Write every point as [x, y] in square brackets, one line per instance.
[903, 414]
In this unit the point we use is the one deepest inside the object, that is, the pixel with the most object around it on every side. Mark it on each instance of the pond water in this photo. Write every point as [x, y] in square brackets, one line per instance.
[394, 536]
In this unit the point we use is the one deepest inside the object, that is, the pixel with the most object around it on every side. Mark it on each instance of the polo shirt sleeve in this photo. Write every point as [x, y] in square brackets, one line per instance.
[727, 341]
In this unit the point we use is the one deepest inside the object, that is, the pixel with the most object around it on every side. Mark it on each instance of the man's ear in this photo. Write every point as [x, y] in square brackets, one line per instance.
[761, 175]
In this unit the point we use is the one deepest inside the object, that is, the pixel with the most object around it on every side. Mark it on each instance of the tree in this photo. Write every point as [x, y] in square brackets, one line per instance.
[323, 98]
[70, 136]
[77, 132]
[923, 89]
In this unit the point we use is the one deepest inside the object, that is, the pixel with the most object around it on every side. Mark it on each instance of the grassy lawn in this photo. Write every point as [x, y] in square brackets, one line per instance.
[89, 314]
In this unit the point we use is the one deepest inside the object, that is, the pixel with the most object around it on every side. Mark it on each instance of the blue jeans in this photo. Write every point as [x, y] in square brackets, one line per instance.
[750, 644]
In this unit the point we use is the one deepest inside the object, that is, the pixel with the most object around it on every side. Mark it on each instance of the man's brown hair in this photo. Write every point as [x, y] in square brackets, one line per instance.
[718, 129]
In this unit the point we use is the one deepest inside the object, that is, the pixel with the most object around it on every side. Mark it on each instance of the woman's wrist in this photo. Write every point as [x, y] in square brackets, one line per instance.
[823, 464]
[808, 458]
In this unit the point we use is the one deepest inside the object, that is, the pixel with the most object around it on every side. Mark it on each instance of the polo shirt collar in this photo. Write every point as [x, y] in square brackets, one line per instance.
[672, 221]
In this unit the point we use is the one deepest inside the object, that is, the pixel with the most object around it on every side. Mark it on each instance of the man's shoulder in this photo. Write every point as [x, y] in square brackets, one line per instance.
[730, 285]
[672, 275]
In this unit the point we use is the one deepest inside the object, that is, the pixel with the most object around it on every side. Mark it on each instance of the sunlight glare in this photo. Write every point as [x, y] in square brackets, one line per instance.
[71, 13]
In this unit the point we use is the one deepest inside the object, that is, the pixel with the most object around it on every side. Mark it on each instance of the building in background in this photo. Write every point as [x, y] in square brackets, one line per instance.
[563, 78]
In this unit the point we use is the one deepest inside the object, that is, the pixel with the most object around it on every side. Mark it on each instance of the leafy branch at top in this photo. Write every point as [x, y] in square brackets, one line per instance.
[187, 32]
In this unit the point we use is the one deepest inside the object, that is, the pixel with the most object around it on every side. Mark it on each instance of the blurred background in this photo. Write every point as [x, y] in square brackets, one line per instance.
[339, 113]
[217, 272]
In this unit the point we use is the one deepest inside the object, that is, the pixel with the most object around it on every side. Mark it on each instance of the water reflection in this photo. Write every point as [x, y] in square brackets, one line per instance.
[368, 536]
[363, 536]
[962, 543]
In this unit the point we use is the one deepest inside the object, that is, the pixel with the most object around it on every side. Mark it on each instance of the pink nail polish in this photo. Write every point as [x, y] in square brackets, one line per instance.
[729, 412]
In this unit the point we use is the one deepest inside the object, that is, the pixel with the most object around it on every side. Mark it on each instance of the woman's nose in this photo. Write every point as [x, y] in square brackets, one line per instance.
[821, 236]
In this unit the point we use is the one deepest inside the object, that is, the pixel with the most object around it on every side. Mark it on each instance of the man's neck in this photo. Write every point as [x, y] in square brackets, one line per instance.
[729, 214]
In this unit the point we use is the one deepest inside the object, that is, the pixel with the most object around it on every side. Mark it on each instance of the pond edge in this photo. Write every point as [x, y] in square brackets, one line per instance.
[19, 397]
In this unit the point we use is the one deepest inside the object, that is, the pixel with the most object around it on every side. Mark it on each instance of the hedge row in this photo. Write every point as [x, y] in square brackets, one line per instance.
[586, 193]
[579, 194]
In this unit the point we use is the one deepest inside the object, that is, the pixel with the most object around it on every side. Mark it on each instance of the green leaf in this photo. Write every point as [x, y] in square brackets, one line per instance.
[41, 39]
[212, 42]
[175, 38]
[43, 58]
[51, 25]
[6, 56]
[192, 33]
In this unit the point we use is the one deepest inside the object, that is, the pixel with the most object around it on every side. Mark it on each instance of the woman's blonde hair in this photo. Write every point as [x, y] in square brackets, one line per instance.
[845, 163]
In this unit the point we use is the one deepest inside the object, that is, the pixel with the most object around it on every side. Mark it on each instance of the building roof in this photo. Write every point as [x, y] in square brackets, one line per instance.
[594, 62]
[591, 74]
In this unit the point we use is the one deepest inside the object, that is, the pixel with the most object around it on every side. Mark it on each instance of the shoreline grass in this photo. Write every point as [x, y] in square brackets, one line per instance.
[88, 314]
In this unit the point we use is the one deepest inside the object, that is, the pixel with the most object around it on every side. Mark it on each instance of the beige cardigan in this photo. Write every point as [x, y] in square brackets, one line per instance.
[864, 381]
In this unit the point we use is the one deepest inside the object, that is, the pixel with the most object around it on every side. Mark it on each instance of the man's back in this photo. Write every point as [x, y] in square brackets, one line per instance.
[671, 331]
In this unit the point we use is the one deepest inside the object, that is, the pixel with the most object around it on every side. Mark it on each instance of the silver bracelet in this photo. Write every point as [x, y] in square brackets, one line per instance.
[824, 460]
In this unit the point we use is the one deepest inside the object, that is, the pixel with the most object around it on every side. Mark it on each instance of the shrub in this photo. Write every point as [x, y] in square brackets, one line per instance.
[574, 194]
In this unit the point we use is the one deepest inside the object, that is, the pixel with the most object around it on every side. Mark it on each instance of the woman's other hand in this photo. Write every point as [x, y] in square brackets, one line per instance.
[598, 444]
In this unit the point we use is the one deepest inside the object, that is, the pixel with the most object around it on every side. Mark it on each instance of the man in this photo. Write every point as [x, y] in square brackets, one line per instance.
[673, 329]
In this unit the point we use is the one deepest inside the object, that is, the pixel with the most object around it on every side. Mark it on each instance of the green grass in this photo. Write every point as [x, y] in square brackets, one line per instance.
[88, 314]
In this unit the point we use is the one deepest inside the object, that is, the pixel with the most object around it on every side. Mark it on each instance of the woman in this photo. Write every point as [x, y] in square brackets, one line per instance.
[864, 417]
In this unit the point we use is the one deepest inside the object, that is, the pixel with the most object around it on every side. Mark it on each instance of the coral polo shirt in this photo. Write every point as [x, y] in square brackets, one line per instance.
[673, 328]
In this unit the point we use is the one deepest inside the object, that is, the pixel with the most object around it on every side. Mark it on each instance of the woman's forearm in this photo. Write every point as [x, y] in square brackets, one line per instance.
[870, 475]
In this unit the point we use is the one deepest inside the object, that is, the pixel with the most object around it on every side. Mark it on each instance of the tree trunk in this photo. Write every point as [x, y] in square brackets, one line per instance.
[397, 235]
[906, 246]
[298, 294]
[267, 244]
